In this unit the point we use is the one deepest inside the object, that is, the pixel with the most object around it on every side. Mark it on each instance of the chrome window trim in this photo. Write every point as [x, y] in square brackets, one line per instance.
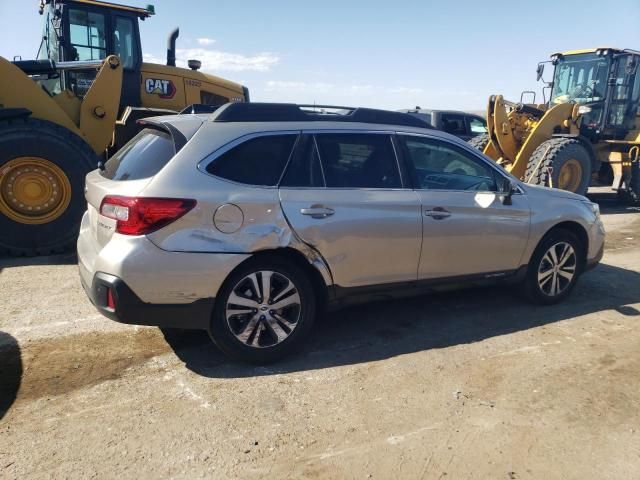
[315, 145]
[491, 164]
[210, 158]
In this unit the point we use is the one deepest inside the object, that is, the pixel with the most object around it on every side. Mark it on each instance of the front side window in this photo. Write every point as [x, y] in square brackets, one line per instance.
[477, 126]
[356, 160]
[124, 45]
[257, 161]
[580, 78]
[87, 31]
[49, 50]
[442, 166]
[453, 124]
[87, 42]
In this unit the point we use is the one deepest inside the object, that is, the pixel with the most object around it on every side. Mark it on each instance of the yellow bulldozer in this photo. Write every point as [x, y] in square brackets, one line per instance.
[587, 133]
[63, 113]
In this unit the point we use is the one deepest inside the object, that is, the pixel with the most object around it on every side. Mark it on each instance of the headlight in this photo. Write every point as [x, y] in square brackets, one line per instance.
[595, 208]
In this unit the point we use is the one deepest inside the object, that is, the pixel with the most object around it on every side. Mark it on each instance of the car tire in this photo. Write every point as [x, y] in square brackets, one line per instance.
[254, 330]
[547, 279]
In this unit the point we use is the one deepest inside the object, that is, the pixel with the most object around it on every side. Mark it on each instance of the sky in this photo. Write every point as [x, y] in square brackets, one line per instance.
[399, 54]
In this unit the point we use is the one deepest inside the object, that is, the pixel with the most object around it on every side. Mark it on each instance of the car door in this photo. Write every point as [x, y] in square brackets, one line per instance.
[343, 194]
[467, 229]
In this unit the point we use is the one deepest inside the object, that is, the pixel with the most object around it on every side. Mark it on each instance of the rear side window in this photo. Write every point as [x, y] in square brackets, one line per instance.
[356, 160]
[208, 98]
[142, 157]
[258, 161]
[454, 124]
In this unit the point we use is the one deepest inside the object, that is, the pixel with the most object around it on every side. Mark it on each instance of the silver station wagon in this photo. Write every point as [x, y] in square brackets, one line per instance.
[249, 221]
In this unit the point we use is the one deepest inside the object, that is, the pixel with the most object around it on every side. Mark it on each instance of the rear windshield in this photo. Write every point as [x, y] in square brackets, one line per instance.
[142, 157]
[426, 117]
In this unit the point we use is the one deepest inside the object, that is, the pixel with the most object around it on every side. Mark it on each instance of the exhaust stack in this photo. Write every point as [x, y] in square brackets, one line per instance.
[171, 47]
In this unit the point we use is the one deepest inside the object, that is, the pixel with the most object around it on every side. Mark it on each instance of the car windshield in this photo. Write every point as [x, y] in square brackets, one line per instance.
[580, 78]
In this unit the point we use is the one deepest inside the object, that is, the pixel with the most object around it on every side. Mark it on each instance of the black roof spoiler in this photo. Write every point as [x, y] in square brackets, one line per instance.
[179, 140]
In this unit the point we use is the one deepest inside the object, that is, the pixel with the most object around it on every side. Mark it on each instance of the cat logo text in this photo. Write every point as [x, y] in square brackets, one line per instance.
[162, 88]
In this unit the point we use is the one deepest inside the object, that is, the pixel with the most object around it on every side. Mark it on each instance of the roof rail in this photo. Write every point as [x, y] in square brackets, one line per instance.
[199, 108]
[291, 112]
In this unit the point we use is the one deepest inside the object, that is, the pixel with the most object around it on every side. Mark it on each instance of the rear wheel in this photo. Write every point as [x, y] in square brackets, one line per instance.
[42, 170]
[554, 268]
[263, 311]
[480, 142]
[562, 163]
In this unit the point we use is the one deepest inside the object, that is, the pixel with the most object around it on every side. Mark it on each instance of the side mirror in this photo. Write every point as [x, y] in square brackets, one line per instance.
[539, 71]
[506, 189]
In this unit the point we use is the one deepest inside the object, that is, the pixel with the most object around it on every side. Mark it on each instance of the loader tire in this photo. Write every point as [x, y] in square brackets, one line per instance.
[42, 174]
[568, 161]
[480, 142]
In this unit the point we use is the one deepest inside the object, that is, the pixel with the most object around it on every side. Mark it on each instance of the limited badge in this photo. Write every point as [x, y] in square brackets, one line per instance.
[162, 88]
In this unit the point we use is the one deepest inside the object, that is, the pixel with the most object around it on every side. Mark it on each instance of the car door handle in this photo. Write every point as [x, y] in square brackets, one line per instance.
[437, 213]
[317, 212]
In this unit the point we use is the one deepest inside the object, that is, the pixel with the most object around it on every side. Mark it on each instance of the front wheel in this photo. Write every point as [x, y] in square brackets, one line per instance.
[263, 311]
[554, 268]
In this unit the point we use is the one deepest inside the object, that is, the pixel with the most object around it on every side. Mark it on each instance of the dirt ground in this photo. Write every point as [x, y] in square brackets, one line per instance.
[466, 384]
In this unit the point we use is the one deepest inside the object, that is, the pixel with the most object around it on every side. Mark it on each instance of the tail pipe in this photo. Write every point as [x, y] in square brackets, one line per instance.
[171, 47]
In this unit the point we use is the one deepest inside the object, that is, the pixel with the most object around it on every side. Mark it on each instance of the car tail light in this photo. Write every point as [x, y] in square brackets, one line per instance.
[143, 215]
[111, 303]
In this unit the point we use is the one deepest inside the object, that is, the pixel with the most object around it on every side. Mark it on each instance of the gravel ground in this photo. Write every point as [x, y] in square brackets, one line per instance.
[464, 384]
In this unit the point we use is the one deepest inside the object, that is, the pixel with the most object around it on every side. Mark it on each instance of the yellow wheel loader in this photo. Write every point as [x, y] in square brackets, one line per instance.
[61, 114]
[587, 133]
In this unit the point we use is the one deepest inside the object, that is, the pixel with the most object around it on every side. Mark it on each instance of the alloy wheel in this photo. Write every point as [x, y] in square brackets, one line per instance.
[263, 309]
[557, 269]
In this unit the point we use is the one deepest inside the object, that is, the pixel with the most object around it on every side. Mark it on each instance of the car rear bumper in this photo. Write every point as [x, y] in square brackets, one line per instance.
[129, 308]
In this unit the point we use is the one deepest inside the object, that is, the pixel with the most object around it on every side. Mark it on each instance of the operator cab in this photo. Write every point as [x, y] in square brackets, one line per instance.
[85, 30]
[606, 85]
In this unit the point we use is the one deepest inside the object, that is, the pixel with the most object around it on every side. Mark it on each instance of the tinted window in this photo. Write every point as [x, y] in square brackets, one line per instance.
[443, 166]
[123, 42]
[454, 124]
[304, 169]
[477, 126]
[208, 98]
[258, 161]
[88, 41]
[142, 157]
[358, 161]
[426, 117]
